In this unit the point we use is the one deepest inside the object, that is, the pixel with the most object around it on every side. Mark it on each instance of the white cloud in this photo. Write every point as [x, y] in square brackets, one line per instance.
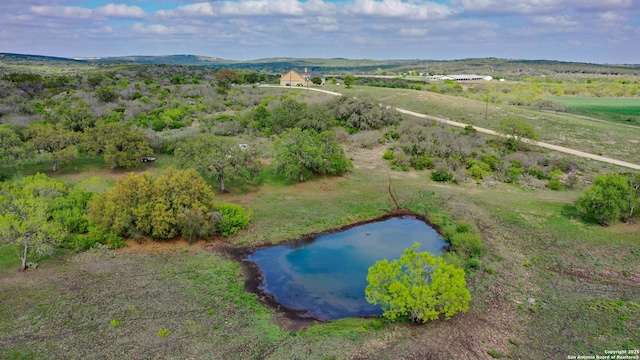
[423, 10]
[521, 7]
[67, 12]
[158, 29]
[120, 10]
[197, 9]
[599, 5]
[558, 21]
[412, 32]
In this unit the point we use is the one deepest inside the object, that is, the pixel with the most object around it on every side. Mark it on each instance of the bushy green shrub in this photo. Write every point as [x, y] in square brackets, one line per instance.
[473, 264]
[554, 185]
[233, 218]
[82, 242]
[421, 162]
[469, 244]
[388, 155]
[464, 227]
[442, 175]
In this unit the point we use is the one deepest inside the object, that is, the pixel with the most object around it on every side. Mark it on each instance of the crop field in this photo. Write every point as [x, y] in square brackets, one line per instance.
[625, 110]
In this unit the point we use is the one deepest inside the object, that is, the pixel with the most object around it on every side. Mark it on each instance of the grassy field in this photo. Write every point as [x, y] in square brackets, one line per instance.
[625, 109]
[600, 138]
[549, 284]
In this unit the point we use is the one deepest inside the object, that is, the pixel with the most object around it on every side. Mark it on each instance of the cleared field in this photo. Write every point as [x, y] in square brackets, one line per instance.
[623, 110]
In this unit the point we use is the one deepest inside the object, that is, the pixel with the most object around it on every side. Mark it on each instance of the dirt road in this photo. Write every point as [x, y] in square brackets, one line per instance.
[491, 132]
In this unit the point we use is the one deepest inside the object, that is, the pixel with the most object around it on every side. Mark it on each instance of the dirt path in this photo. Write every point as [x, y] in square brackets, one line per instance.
[491, 132]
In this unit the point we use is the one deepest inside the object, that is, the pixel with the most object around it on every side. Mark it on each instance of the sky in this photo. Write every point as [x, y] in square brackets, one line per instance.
[595, 31]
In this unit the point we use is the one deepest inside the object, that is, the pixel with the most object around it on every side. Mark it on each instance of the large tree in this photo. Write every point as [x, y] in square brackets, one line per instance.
[299, 151]
[220, 158]
[121, 145]
[418, 286]
[611, 197]
[25, 216]
[59, 142]
[162, 208]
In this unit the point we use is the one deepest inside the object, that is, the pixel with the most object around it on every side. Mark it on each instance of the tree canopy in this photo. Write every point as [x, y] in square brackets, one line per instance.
[121, 145]
[418, 286]
[302, 151]
[59, 142]
[12, 148]
[25, 216]
[515, 129]
[219, 157]
[611, 197]
[162, 208]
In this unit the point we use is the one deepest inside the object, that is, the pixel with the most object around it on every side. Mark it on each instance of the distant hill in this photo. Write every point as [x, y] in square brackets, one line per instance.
[482, 66]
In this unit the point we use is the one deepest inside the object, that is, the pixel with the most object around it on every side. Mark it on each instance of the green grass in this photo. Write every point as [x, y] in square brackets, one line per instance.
[600, 138]
[9, 260]
[623, 110]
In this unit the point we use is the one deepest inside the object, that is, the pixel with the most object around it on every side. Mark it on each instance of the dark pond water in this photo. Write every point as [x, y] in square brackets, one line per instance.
[326, 275]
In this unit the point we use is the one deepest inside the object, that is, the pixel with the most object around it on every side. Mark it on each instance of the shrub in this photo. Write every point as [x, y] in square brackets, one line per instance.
[421, 162]
[233, 218]
[469, 244]
[388, 155]
[442, 175]
[473, 264]
[554, 185]
[464, 227]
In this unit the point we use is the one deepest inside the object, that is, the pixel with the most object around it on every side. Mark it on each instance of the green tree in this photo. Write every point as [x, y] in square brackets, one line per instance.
[25, 218]
[73, 114]
[219, 157]
[299, 151]
[418, 286]
[12, 148]
[316, 80]
[106, 94]
[138, 205]
[349, 80]
[59, 142]
[608, 199]
[121, 145]
[286, 115]
[226, 77]
[515, 129]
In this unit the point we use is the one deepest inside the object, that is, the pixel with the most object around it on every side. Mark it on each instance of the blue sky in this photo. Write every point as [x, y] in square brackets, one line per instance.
[598, 31]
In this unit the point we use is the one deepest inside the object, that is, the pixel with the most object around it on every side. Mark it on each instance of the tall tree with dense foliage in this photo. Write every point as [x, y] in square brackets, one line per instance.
[162, 208]
[25, 216]
[219, 157]
[59, 142]
[121, 145]
[418, 286]
[609, 198]
[302, 151]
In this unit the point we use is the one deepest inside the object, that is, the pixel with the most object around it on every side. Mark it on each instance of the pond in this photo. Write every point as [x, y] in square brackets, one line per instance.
[326, 275]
